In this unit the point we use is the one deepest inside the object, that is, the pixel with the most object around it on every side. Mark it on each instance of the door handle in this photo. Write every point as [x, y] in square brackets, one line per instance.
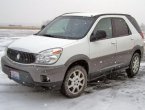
[113, 43]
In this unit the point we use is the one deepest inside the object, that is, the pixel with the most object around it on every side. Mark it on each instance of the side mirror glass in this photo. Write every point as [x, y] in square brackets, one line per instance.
[100, 34]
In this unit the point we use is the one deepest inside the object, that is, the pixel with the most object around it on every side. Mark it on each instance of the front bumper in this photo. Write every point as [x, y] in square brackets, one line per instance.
[31, 75]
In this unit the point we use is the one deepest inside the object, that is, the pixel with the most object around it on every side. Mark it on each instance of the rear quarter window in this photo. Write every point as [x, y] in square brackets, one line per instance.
[134, 23]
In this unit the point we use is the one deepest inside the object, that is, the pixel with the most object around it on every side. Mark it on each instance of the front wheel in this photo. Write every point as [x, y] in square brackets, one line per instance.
[134, 65]
[75, 82]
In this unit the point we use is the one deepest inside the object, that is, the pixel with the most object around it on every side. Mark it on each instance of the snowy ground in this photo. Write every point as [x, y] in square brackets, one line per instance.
[119, 94]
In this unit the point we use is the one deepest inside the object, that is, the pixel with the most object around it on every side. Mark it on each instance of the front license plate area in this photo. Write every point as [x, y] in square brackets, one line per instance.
[15, 75]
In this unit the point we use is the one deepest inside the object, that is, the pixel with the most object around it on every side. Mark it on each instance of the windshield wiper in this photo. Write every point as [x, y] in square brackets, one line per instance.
[56, 36]
[49, 35]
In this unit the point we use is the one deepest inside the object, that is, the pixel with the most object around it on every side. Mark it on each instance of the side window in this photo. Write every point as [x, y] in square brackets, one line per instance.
[120, 27]
[105, 25]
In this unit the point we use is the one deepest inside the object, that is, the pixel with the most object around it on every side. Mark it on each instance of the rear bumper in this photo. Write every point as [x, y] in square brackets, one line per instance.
[31, 75]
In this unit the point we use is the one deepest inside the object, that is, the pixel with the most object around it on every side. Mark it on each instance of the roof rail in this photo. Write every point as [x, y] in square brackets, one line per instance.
[113, 14]
[69, 13]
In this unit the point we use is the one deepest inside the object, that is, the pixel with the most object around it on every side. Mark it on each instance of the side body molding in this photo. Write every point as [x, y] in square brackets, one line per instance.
[78, 58]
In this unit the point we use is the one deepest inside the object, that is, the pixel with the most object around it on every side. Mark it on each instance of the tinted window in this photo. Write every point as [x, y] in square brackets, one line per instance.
[105, 25]
[120, 27]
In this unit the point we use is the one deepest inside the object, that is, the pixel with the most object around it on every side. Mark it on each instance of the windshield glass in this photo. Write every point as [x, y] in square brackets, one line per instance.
[68, 27]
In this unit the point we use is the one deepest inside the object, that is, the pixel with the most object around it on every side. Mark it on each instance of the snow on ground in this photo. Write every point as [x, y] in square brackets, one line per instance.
[119, 93]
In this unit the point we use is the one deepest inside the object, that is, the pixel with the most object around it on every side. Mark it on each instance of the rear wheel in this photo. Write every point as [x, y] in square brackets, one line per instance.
[75, 82]
[134, 65]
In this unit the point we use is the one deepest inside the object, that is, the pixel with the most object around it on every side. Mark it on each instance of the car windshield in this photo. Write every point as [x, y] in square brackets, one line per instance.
[68, 27]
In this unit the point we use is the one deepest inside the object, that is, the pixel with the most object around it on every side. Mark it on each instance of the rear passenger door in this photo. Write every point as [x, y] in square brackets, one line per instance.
[125, 43]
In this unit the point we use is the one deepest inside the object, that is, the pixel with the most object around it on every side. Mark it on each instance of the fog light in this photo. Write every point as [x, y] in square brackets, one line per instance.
[45, 78]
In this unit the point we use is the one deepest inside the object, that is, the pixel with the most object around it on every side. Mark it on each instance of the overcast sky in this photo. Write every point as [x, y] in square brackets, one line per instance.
[34, 12]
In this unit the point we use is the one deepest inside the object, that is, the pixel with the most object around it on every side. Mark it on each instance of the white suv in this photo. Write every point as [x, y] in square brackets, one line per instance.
[74, 49]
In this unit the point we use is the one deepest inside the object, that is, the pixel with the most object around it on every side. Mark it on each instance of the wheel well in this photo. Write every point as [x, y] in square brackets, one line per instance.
[82, 63]
[138, 51]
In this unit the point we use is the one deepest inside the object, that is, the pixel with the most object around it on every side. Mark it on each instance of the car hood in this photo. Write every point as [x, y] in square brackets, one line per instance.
[36, 44]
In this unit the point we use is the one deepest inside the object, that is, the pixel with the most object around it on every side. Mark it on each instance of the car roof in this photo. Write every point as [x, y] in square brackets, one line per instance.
[92, 14]
[97, 15]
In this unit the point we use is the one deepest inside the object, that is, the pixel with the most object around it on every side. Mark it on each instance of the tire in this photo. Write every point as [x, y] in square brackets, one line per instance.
[74, 82]
[134, 66]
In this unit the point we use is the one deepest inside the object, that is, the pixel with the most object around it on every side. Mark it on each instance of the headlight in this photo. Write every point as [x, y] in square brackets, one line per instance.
[50, 56]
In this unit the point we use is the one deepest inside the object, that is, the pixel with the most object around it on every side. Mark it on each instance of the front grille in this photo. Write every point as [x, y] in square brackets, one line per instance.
[21, 57]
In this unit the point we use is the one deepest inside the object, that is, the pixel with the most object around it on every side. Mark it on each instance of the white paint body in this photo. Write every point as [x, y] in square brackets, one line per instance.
[36, 44]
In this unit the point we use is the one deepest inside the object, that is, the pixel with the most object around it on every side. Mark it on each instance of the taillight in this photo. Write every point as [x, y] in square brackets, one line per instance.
[142, 35]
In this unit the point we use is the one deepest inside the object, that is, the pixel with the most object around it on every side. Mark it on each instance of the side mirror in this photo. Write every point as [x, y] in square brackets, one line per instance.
[42, 27]
[100, 34]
